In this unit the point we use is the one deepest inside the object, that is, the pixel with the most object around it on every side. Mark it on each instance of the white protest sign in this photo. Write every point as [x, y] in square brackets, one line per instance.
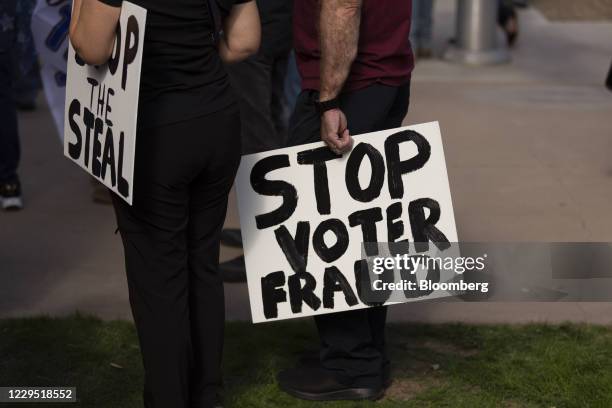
[305, 213]
[102, 107]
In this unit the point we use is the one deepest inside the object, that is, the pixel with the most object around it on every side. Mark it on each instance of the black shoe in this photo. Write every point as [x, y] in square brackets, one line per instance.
[311, 358]
[318, 384]
[234, 270]
[10, 196]
[231, 237]
[218, 404]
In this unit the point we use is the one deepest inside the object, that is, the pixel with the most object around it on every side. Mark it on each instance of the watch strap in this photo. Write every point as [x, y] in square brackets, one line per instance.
[324, 106]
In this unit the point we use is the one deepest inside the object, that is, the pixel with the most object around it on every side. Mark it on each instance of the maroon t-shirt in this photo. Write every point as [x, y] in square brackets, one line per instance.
[384, 55]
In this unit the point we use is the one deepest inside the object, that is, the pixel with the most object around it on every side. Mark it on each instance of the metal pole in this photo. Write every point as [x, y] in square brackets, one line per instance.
[477, 40]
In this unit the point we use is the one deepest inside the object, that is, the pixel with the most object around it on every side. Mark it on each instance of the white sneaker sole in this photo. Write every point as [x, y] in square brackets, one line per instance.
[11, 203]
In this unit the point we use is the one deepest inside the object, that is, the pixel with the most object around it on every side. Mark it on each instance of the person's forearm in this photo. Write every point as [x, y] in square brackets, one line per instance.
[339, 39]
[231, 56]
[93, 30]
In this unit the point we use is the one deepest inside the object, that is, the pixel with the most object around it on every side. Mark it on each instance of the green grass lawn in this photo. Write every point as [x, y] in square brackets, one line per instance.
[433, 365]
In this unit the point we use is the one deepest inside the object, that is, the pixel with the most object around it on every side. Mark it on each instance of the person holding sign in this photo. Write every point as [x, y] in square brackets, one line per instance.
[356, 63]
[187, 155]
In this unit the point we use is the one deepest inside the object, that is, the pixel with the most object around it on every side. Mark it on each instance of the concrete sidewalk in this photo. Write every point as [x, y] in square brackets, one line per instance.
[528, 145]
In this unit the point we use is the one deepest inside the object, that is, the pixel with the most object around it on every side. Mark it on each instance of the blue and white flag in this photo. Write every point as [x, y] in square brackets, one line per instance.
[50, 26]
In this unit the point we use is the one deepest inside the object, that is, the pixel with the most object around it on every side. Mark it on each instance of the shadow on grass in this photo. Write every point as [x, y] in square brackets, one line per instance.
[433, 366]
[76, 351]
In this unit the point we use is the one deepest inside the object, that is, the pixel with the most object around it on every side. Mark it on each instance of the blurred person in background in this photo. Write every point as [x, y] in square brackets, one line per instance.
[508, 20]
[422, 28]
[10, 187]
[356, 63]
[26, 70]
[259, 81]
[265, 86]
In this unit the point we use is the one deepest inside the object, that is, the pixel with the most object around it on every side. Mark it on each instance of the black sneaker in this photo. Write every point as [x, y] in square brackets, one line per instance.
[10, 196]
[311, 358]
[318, 384]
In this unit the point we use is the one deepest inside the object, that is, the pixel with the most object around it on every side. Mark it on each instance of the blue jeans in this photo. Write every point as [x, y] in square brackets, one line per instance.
[9, 138]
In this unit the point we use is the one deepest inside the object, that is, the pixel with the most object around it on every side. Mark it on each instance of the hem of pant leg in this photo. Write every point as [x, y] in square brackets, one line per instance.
[9, 180]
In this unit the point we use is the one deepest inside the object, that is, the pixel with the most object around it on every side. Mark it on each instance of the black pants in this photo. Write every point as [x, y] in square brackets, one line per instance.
[183, 175]
[9, 137]
[353, 342]
[259, 83]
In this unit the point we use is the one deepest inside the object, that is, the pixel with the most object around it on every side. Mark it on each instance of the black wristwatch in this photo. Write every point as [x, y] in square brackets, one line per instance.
[324, 106]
